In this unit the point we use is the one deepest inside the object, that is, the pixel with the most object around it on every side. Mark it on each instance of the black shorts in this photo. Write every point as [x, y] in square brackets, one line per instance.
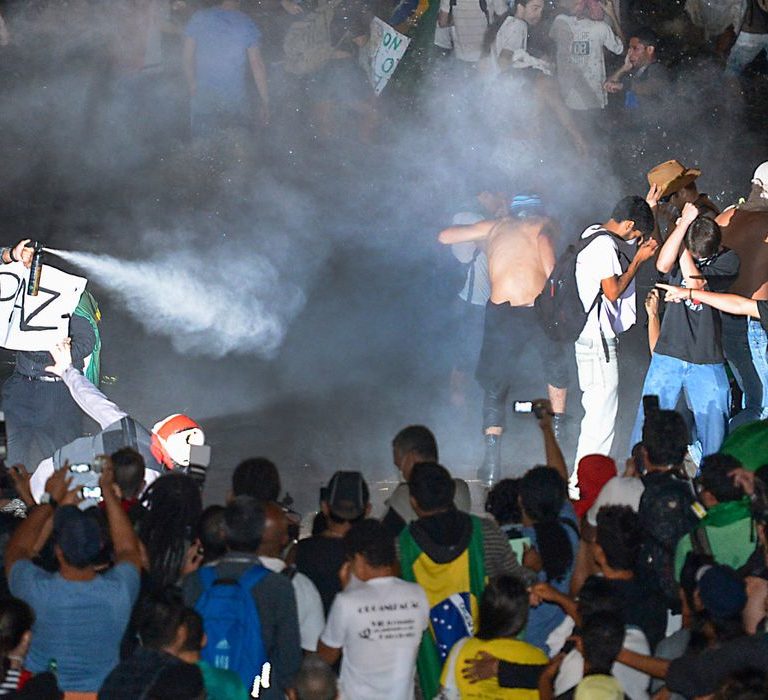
[508, 332]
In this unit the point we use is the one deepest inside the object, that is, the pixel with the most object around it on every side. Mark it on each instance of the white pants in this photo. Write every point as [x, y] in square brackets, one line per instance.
[599, 384]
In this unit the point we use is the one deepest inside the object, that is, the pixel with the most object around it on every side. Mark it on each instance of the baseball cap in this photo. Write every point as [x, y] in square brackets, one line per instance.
[761, 175]
[599, 687]
[77, 534]
[347, 495]
[722, 592]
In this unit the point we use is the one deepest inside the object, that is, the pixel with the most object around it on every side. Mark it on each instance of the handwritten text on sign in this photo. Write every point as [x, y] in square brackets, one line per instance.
[36, 322]
[386, 47]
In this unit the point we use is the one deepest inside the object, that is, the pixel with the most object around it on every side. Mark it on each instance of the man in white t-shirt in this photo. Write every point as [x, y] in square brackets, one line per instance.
[309, 605]
[580, 41]
[510, 46]
[377, 623]
[469, 20]
[607, 292]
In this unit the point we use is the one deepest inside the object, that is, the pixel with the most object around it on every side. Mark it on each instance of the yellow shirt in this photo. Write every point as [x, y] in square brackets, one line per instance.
[529, 659]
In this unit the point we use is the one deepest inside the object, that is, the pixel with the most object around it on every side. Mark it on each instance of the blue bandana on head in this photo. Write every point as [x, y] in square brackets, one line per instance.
[526, 204]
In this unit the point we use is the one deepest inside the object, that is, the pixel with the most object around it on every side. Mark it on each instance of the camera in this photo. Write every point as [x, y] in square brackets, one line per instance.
[85, 480]
[93, 492]
[650, 405]
[80, 468]
[535, 407]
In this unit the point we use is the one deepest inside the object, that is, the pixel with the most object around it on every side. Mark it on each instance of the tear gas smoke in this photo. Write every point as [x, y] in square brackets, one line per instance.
[239, 305]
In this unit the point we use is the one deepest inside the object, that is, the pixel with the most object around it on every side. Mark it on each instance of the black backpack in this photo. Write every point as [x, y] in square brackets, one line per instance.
[666, 514]
[559, 306]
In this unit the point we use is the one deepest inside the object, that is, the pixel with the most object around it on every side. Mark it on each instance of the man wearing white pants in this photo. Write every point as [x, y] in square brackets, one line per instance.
[607, 292]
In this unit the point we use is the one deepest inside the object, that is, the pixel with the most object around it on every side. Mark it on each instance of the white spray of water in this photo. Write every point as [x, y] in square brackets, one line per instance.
[206, 306]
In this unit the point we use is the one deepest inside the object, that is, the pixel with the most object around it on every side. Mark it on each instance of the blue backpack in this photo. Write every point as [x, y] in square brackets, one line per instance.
[231, 623]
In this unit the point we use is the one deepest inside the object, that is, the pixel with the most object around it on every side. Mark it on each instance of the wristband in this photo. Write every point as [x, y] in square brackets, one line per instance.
[12, 256]
[690, 295]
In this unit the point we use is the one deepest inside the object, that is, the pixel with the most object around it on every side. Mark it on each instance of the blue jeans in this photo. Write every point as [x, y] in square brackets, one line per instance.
[706, 391]
[744, 347]
[758, 346]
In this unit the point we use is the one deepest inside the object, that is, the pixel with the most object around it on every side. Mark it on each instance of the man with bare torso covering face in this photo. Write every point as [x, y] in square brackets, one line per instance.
[520, 258]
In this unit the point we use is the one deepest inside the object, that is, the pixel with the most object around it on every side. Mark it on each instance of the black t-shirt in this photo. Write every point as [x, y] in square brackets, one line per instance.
[762, 309]
[693, 675]
[644, 607]
[320, 558]
[690, 331]
[647, 105]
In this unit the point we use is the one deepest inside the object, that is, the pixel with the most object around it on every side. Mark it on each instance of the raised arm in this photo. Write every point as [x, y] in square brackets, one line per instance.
[462, 234]
[124, 539]
[85, 394]
[614, 287]
[618, 38]
[16, 253]
[729, 303]
[670, 251]
[552, 452]
[25, 541]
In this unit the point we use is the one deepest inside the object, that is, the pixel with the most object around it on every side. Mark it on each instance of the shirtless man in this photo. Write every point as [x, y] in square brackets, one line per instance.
[745, 341]
[520, 259]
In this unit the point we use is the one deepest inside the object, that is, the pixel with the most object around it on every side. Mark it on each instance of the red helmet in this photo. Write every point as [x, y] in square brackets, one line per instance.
[172, 440]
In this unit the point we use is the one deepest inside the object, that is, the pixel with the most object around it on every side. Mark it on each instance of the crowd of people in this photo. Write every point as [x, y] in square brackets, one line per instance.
[581, 577]
[246, 64]
[651, 584]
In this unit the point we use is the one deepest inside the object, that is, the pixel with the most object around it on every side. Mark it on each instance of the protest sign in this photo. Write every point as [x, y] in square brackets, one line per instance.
[36, 322]
[386, 47]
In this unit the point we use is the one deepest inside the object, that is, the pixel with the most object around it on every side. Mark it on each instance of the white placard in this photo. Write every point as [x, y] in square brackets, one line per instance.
[386, 48]
[36, 322]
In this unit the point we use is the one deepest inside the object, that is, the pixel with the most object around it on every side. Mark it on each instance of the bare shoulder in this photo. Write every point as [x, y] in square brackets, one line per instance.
[548, 228]
[724, 218]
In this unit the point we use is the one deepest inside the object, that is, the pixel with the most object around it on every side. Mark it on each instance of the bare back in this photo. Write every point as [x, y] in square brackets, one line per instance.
[520, 258]
[745, 232]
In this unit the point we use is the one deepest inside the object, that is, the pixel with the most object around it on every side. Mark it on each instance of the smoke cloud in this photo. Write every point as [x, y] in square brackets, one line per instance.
[209, 309]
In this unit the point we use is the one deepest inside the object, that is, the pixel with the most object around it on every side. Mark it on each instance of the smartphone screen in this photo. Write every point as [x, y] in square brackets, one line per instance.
[523, 406]
[91, 492]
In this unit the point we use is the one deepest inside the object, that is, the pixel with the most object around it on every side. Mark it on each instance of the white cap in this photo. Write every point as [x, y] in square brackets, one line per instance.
[761, 175]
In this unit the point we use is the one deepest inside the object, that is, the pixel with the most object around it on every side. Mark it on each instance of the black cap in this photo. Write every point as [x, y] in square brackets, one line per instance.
[347, 495]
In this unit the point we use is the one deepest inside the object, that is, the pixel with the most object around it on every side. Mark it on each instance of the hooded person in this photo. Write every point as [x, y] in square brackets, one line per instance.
[176, 443]
[594, 471]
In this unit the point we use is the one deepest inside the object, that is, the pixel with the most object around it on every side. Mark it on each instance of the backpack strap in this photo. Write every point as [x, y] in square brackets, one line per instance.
[248, 579]
[599, 297]
[207, 576]
[471, 281]
[483, 7]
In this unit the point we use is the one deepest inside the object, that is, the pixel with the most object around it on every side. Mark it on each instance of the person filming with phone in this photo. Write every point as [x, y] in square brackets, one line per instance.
[81, 614]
